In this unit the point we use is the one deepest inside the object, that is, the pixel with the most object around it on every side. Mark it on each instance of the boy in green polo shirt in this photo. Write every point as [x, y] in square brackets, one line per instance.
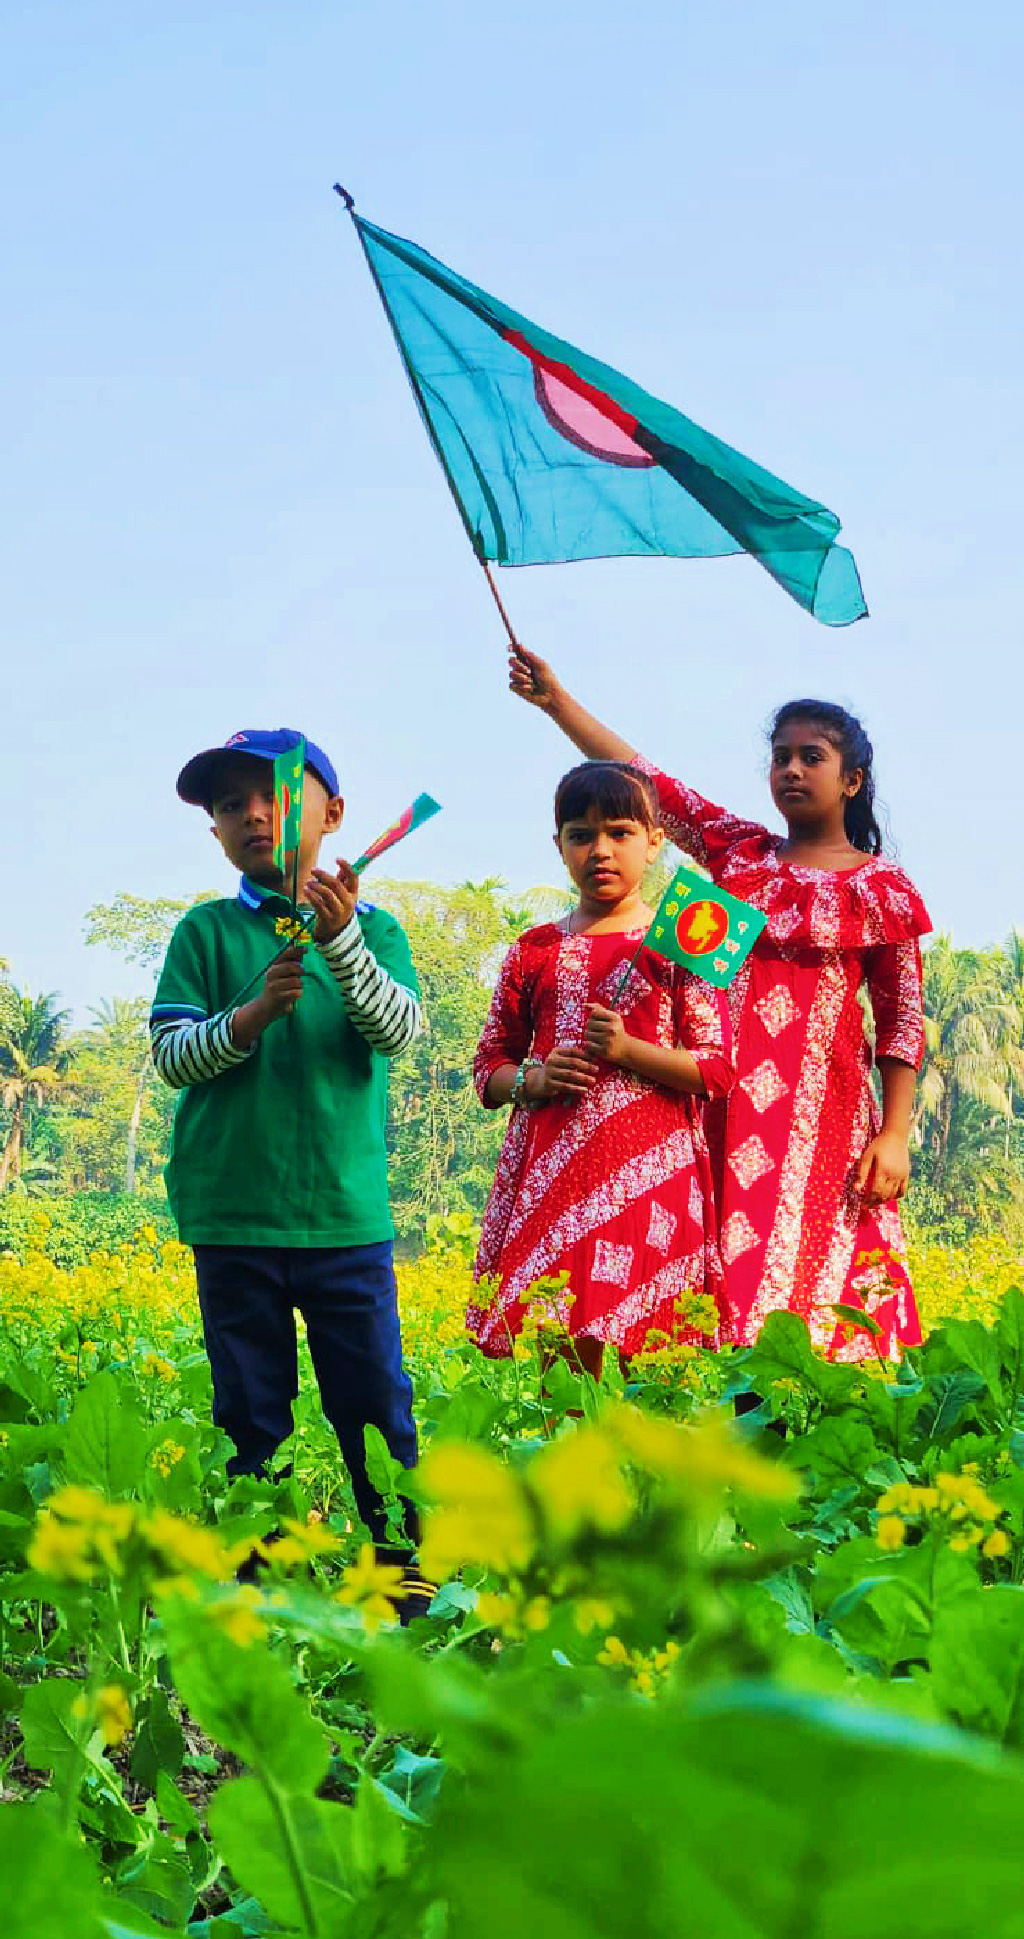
[278, 1169]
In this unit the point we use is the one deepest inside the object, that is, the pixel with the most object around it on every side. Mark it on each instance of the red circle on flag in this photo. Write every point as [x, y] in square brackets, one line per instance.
[701, 928]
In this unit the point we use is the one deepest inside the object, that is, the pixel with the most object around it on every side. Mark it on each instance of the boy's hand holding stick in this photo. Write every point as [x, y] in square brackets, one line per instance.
[333, 898]
[282, 988]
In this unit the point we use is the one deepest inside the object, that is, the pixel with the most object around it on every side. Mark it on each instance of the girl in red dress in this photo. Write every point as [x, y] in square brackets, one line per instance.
[807, 1173]
[604, 1173]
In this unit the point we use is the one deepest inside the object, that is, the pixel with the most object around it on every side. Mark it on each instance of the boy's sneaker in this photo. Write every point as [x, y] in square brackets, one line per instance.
[256, 1564]
[415, 1595]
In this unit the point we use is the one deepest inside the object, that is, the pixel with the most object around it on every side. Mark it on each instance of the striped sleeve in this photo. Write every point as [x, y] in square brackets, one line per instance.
[191, 1049]
[387, 1013]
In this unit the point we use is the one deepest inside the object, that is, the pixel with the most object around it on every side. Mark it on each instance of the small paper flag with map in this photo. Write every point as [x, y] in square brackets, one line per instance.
[413, 817]
[289, 769]
[700, 926]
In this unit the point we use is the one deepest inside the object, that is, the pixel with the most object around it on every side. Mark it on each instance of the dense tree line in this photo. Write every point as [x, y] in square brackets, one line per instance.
[82, 1110]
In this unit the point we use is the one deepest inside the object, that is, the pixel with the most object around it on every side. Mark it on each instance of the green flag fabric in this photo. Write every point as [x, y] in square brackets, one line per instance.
[551, 455]
[700, 926]
[289, 773]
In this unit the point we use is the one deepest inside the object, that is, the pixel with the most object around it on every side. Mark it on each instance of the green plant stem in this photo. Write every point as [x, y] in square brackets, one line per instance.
[279, 1807]
[126, 1660]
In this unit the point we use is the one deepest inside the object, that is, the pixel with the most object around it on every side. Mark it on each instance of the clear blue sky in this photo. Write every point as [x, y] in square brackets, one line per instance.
[799, 224]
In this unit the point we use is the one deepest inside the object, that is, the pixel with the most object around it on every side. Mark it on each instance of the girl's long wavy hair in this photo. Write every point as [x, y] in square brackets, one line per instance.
[855, 751]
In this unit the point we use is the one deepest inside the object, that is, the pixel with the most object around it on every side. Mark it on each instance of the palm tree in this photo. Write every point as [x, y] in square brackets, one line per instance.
[1013, 982]
[120, 1032]
[970, 1024]
[33, 1063]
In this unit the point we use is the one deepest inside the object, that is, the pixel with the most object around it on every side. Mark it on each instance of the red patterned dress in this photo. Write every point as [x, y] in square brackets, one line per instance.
[615, 1189]
[786, 1140]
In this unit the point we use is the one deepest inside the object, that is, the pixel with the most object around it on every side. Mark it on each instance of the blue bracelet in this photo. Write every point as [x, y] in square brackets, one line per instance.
[519, 1096]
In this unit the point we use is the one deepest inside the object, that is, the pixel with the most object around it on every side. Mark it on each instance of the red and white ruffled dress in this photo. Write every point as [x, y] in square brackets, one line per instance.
[614, 1189]
[784, 1144]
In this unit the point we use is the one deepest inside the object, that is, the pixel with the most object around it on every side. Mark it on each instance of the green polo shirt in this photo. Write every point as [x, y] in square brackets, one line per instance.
[287, 1148]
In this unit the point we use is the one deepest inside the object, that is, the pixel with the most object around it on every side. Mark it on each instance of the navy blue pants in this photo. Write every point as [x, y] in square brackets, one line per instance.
[348, 1299]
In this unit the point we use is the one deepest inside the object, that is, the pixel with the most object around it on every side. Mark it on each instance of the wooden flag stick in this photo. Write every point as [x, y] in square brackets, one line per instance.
[349, 203]
[628, 971]
[496, 596]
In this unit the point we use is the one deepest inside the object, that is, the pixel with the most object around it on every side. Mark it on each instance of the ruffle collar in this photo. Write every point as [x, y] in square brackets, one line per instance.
[859, 908]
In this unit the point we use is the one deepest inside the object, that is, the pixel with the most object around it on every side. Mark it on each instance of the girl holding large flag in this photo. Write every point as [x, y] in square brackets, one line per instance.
[808, 1174]
[605, 1051]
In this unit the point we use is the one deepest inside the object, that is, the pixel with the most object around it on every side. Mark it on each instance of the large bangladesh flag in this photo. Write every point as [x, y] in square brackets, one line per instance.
[551, 455]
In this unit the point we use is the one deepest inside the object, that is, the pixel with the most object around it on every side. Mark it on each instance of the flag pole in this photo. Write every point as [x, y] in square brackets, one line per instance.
[295, 882]
[496, 596]
[350, 205]
[628, 971]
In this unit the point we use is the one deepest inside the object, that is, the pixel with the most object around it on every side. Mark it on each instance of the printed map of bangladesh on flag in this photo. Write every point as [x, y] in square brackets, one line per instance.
[289, 769]
[698, 925]
[552, 456]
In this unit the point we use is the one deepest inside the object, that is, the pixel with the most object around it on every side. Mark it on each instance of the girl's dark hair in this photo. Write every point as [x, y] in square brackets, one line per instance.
[855, 751]
[620, 791]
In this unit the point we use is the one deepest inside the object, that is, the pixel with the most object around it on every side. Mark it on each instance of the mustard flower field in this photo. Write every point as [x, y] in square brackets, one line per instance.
[684, 1673]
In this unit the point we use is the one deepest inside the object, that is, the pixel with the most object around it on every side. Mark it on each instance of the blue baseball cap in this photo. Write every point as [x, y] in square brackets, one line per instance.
[266, 743]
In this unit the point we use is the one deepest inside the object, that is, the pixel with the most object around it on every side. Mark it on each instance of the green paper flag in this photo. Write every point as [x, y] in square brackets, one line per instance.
[551, 455]
[412, 817]
[698, 925]
[289, 772]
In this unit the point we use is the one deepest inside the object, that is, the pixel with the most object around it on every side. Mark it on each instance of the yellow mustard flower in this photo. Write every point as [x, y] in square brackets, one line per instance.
[187, 1547]
[78, 1532]
[107, 1710]
[996, 1544]
[184, 1587]
[896, 1497]
[579, 1482]
[155, 1367]
[703, 1460]
[113, 1714]
[593, 1612]
[890, 1532]
[238, 1618]
[61, 1550]
[614, 1655]
[166, 1455]
[371, 1587]
[497, 1611]
[302, 1541]
[698, 1312]
[75, 1504]
[481, 1514]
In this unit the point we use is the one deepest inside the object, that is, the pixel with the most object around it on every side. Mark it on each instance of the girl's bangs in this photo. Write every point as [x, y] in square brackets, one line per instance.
[618, 792]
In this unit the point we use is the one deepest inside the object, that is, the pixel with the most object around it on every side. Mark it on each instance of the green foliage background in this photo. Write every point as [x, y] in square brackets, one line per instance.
[91, 1118]
[759, 1681]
